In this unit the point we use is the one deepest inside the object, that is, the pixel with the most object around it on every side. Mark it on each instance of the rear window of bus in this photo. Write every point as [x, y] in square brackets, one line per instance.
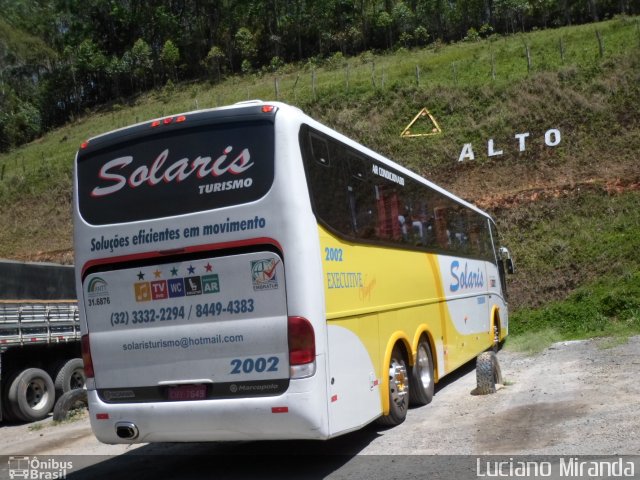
[171, 172]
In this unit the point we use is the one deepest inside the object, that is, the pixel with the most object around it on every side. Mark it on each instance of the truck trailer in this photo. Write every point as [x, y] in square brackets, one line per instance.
[40, 354]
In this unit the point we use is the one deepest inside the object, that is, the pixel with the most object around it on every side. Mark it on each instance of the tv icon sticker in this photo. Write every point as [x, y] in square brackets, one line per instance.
[159, 290]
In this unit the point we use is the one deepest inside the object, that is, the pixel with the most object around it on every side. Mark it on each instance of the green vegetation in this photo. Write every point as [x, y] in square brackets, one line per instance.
[569, 214]
[80, 54]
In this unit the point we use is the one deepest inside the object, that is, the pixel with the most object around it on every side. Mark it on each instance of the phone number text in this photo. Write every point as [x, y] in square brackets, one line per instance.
[152, 315]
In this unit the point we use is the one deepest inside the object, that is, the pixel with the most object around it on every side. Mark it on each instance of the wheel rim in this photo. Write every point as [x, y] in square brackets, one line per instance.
[424, 369]
[37, 394]
[77, 379]
[398, 383]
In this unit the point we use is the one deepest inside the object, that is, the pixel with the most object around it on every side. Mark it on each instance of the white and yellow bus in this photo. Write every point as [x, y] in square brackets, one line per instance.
[248, 273]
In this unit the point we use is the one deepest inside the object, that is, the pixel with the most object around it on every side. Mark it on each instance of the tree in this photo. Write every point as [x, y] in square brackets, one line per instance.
[214, 59]
[245, 43]
[138, 63]
[384, 22]
[169, 57]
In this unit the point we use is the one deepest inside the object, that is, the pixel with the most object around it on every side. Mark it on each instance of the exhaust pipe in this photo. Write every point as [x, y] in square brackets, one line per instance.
[127, 430]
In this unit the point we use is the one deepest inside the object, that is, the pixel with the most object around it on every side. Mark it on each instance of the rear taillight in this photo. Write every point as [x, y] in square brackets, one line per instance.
[302, 347]
[86, 356]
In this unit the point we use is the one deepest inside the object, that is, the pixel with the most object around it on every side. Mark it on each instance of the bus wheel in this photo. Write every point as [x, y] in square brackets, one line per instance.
[31, 395]
[488, 373]
[422, 383]
[496, 337]
[398, 390]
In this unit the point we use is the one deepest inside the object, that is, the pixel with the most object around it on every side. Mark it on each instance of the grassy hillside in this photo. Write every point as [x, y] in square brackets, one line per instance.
[570, 213]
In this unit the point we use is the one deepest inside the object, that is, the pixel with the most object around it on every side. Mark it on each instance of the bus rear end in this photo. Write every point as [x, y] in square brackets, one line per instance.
[191, 327]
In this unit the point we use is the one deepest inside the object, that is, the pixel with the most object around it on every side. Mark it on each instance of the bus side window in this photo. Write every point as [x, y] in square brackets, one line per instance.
[362, 197]
[388, 209]
[320, 150]
[441, 224]
[327, 183]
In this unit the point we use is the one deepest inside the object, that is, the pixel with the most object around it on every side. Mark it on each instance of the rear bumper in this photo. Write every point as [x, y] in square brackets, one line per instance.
[287, 416]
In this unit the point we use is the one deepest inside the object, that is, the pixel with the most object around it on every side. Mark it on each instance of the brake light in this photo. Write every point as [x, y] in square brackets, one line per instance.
[302, 341]
[268, 108]
[168, 121]
[86, 356]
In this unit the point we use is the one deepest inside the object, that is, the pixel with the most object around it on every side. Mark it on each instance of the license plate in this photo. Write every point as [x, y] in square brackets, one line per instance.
[188, 392]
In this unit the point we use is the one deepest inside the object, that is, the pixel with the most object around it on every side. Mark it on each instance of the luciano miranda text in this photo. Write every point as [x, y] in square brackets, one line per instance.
[567, 467]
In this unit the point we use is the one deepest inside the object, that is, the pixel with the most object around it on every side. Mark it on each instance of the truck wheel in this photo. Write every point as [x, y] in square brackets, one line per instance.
[398, 390]
[488, 373]
[8, 413]
[422, 383]
[71, 400]
[70, 376]
[31, 395]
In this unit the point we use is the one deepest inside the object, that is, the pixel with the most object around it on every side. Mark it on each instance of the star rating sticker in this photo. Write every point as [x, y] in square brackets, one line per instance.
[191, 270]
[157, 273]
[174, 272]
[140, 275]
[208, 267]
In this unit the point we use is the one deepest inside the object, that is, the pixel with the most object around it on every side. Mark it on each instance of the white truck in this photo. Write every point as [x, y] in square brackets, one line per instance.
[40, 355]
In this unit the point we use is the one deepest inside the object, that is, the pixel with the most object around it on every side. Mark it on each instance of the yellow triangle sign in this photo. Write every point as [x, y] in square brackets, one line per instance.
[418, 131]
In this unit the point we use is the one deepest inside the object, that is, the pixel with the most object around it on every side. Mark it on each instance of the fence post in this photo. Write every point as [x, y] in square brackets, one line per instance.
[528, 52]
[562, 49]
[295, 84]
[277, 87]
[346, 70]
[418, 75]
[600, 43]
[313, 82]
[373, 73]
[493, 66]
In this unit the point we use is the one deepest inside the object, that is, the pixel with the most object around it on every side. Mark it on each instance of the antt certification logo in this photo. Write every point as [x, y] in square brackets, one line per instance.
[98, 292]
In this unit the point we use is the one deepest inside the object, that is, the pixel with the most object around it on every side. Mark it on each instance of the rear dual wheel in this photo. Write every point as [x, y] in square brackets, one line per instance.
[422, 382]
[398, 389]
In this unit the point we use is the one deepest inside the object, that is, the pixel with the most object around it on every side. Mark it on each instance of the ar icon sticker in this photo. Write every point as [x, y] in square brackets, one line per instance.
[210, 283]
